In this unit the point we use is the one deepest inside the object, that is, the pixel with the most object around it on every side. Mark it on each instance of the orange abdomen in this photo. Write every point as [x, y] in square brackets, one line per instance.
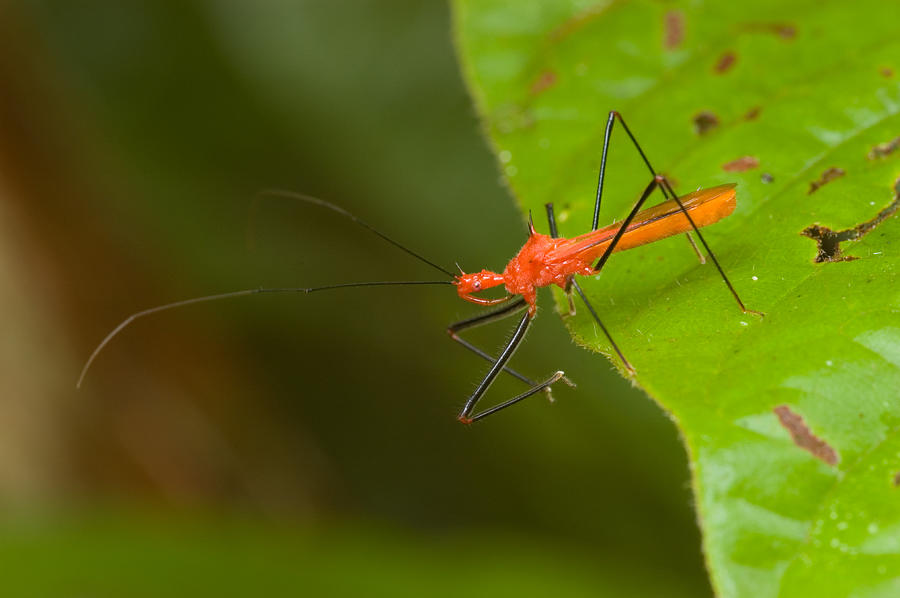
[665, 220]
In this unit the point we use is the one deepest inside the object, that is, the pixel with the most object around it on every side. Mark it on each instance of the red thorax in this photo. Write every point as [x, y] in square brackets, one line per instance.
[542, 261]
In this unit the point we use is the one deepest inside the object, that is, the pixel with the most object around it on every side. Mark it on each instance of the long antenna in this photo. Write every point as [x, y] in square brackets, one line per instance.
[115, 331]
[335, 208]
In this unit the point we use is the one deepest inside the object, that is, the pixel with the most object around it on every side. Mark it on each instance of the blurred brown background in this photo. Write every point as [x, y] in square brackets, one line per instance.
[133, 137]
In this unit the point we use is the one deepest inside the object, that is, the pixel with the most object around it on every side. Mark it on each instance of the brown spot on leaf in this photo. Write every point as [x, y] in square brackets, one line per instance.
[545, 80]
[829, 175]
[577, 21]
[673, 29]
[741, 164]
[725, 62]
[897, 479]
[886, 71]
[883, 149]
[753, 113]
[803, 437]
[705, 121]
[785, 31]
[829, 241]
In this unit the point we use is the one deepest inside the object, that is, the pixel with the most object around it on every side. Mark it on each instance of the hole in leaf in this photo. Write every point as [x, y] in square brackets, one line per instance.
[883, 149]
[829, 175]
[829, 241]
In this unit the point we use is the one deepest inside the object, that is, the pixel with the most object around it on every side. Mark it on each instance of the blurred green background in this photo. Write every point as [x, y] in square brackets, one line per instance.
[287, 444]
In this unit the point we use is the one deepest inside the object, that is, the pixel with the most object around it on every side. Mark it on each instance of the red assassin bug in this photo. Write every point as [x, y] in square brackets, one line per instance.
[542, 261]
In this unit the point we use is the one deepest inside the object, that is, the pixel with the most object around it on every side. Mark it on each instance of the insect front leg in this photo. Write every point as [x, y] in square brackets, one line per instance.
[466, 416]
[651, 187]
[454, 329]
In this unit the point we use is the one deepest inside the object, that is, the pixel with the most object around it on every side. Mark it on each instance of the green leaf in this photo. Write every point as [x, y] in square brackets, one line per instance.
[790, 421]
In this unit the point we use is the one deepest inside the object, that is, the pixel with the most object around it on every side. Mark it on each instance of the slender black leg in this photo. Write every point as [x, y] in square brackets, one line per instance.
[615, 347]
[570, 284]
[666, 190]
[595, 223]
[657, 180]
[551, 220]
[712, 256]
[454, 329]
[661, 181]
[465, 416]
[536, 389]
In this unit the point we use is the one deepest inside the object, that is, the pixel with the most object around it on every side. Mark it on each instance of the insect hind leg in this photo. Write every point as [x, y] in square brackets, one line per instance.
[666, 188]
[665, 183]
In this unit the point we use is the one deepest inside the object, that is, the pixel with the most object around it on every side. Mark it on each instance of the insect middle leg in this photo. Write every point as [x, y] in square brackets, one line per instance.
[651, 187]
[571, 283]
[551, 220]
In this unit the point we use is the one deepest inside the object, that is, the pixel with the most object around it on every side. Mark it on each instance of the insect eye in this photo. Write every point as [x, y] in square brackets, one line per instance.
[477, 285]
